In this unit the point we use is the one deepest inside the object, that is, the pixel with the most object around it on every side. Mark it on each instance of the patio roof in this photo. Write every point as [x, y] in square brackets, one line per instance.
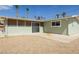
[19, 18]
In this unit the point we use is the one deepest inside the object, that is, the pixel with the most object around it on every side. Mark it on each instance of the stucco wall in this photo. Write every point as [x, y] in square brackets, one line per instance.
[73, 26]
[14, 30]
[21, 30]
[56, 30]
[41, 29]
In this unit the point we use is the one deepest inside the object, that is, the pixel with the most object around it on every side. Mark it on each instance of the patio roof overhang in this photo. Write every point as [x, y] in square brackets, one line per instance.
[23, 19]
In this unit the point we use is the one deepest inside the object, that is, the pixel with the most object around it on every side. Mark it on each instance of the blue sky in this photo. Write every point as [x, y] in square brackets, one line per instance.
[48, 11]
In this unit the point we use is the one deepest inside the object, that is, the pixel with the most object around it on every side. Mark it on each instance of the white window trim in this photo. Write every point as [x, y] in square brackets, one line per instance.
[56, 21]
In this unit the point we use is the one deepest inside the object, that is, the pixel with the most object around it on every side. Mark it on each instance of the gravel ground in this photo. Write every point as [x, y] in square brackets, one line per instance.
[37, 44]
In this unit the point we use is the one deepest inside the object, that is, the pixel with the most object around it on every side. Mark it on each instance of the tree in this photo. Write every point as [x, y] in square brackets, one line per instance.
[38, 18]
[57, 15]
[63, 14]
[41, 17]
[27, 12]
[17, 10]
[35, 17]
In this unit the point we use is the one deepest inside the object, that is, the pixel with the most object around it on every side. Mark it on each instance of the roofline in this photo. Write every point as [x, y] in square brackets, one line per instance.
[26, 19]
[19, 18]
[56, 19]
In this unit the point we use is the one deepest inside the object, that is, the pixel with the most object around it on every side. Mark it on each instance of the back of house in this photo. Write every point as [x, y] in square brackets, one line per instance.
[66, 26]
[23, 26]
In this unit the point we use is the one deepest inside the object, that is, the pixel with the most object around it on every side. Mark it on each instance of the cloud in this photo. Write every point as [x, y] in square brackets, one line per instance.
[5, 7]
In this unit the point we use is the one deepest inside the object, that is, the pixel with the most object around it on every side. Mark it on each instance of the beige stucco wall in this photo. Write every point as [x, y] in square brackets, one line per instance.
[56, 30]
[73, 26]
[21, 30]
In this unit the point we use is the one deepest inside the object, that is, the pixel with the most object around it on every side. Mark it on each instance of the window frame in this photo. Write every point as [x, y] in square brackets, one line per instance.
[56, 25]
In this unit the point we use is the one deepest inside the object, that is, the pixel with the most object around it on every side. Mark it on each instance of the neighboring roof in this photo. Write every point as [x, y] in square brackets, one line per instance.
[19, 18]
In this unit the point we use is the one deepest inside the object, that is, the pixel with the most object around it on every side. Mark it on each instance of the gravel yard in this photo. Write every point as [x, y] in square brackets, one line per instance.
[39, 43]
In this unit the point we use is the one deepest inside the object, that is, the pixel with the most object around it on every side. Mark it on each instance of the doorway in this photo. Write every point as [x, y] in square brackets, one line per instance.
[35, 27]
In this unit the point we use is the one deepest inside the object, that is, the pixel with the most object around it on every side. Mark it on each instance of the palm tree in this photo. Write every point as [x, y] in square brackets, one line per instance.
[63, 14]
[27, 12]
[57, 15]
[17, 12]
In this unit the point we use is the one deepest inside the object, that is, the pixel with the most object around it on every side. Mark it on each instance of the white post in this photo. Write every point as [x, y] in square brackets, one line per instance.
[39, 27]
[6, 27]
[31, 25]
[17, 23]
[24, 23]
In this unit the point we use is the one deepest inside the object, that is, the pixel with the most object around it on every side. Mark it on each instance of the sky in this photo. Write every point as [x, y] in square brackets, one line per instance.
[47, 11]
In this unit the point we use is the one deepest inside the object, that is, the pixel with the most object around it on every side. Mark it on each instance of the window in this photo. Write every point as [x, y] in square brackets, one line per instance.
[21, 23]
[28, 23]
[41, 24]
[12, 22]
[35, 24]
[56, 23]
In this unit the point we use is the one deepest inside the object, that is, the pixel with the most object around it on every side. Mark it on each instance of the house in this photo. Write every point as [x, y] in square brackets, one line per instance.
[23, 26]
[66, 26]
[20, 26]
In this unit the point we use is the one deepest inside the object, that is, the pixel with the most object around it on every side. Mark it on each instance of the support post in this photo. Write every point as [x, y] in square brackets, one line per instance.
[39, 27]
[24, 23]
[17, 23]
[6, 27]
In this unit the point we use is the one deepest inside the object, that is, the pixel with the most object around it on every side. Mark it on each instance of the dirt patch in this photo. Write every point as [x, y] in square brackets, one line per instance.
[36, 44]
